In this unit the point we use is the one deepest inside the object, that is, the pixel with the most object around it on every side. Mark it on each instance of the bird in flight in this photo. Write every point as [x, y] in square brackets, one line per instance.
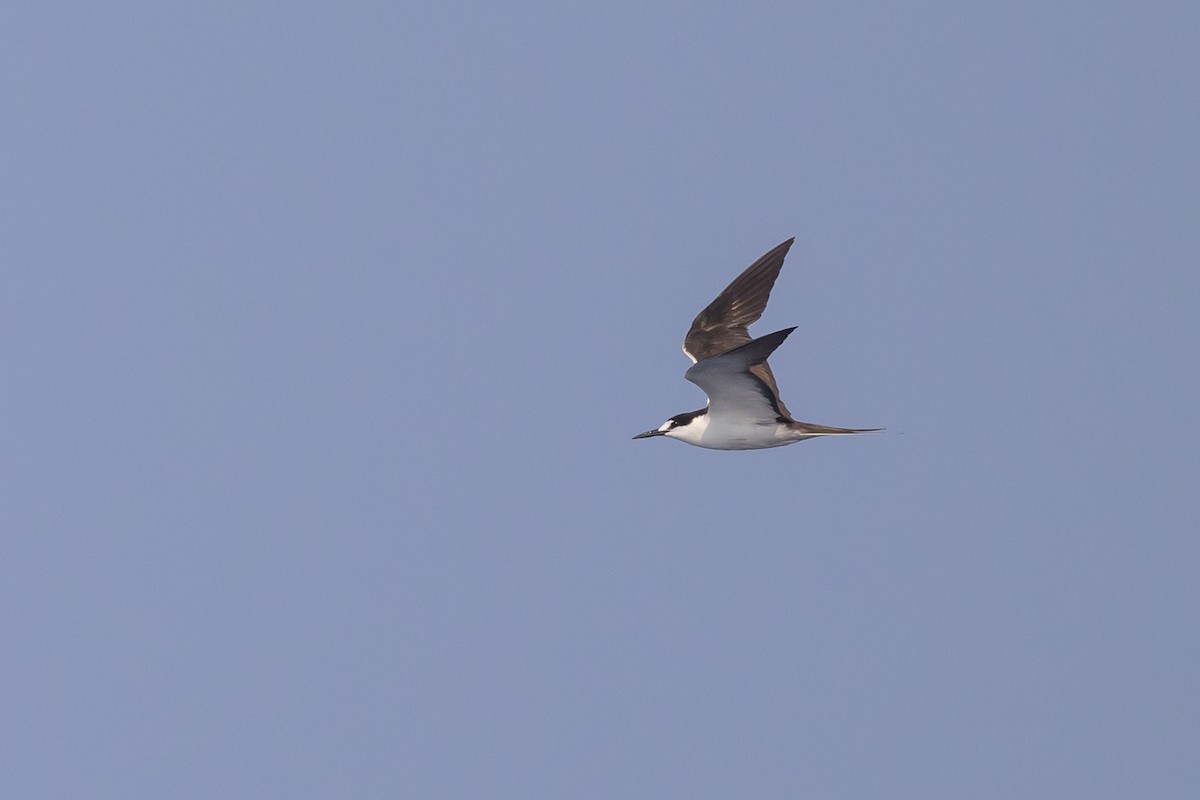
[744, 410]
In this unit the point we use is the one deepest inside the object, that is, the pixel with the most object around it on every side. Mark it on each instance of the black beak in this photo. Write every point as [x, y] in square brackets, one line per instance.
[648, 434]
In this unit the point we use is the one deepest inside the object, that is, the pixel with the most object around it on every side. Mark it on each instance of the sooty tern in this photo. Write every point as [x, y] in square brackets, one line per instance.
[744, 409]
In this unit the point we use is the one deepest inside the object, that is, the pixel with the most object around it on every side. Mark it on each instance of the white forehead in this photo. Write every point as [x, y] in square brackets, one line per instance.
[665, 426]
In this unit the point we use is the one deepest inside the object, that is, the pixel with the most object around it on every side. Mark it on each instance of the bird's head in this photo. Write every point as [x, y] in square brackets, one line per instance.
[680, 426]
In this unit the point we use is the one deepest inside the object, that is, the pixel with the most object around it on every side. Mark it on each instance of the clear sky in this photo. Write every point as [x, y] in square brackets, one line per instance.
[325, 329]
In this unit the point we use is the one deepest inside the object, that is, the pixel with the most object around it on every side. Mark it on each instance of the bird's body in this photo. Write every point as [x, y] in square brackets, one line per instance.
[744, 411]
[716, 434]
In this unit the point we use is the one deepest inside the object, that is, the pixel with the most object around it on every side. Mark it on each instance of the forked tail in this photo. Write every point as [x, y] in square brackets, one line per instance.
[811, 429]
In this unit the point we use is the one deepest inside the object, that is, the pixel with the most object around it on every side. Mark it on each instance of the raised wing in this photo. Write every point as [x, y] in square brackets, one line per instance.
[722, 325]
[734, 389]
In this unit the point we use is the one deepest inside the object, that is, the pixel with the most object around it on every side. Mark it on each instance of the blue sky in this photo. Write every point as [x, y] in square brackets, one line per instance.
[326, 328]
